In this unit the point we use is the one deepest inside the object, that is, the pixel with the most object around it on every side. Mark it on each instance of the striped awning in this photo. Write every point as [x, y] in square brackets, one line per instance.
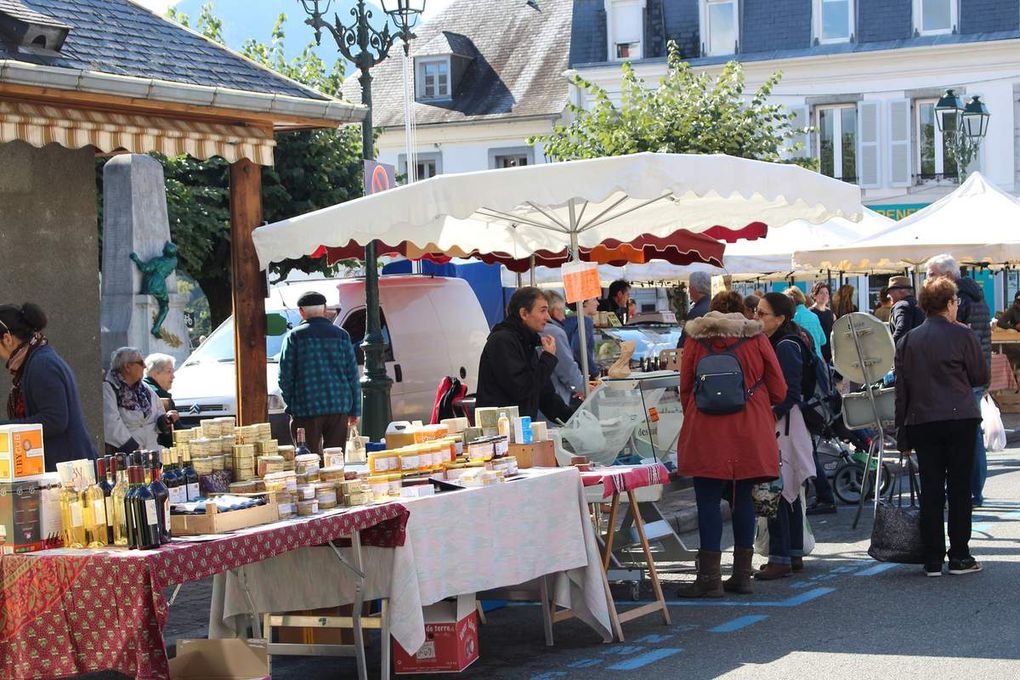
[42, 124]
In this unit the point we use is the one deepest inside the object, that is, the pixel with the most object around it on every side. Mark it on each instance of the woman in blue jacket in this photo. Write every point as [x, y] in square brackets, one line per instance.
[43, 387]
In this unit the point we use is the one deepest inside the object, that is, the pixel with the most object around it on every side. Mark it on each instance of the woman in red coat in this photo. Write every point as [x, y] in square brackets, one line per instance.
[737, 449]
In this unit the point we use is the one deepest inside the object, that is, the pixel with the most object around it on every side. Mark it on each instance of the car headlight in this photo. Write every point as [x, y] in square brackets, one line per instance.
[276, 403]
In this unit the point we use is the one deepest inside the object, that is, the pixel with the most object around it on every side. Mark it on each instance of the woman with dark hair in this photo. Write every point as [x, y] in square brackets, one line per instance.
[786, 529]
[938, 365]
[821, 294]
[43, 388]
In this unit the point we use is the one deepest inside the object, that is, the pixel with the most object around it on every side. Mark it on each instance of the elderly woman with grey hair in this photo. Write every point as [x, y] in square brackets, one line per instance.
[159, 376]
[133, 416]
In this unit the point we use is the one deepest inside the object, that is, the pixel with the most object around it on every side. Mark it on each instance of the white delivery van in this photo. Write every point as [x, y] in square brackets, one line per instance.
[433, 326]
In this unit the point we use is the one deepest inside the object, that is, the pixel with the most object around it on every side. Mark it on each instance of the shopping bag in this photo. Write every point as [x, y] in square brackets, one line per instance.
[354, 453]
[896, 536]
[991, 423]
[761, 537]
[809, 534]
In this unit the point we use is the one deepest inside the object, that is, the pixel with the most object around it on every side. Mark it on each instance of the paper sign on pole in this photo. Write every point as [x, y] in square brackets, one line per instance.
[581, 281]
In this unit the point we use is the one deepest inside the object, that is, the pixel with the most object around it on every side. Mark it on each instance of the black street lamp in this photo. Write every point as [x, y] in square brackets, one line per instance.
[365, 47]
[963, 125]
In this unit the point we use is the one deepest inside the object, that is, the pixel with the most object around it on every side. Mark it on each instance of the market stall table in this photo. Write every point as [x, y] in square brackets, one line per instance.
[458, 542]
[69, 612]
[612, 482]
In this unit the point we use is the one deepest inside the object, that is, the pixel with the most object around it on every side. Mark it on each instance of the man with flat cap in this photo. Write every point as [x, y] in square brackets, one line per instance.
[319, 377]
[905, 315]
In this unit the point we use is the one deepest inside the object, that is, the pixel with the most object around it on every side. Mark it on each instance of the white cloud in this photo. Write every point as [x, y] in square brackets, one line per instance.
[158, 6]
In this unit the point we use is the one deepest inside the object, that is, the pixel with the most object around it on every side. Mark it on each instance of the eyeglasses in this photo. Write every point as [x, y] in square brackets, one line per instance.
[955, 301]
[6, 330]
[758, 312]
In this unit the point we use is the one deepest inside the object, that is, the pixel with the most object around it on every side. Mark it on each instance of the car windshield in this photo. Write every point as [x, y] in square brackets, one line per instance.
[219, 346]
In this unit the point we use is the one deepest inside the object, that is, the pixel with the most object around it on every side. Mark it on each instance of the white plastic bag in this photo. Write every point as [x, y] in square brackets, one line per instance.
[991, 423]
[355, 451]
[761, 538]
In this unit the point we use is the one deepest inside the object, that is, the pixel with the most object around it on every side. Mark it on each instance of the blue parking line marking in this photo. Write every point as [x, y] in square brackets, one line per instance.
[622, 650]
[738, 623]
[794, 601]
[653, 639]
[584, 663]
[548, 676]
[645, 659]
[877, 569]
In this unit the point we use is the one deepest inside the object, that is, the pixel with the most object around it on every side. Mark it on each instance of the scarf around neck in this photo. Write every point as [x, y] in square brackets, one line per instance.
[137, 398]
[16, 365]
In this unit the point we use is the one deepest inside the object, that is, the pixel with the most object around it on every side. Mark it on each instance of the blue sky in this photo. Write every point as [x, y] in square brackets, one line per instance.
[243, 19]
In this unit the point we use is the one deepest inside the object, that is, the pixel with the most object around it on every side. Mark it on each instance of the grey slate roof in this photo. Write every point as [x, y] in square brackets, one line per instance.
[19, 11]
[119, 37]
[445, 42]
[519, 57]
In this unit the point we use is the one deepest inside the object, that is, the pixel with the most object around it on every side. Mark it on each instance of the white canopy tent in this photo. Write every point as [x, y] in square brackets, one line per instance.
[556, 206]
[772, 255]
[977, 223]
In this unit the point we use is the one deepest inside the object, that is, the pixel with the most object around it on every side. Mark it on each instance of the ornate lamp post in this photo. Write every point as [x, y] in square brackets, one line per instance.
[360, 43]
[964, 127]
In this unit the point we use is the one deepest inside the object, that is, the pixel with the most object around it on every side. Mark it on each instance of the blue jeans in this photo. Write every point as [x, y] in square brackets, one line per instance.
[980, 472]
[708, 493]
[786, 533]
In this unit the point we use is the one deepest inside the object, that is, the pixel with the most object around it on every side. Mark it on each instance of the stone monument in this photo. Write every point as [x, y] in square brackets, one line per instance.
[140, 306]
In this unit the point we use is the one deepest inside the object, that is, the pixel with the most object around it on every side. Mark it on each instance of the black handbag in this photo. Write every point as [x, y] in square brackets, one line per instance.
[896, 536]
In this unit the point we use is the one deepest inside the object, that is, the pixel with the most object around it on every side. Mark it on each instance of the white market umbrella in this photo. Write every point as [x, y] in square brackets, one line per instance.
[976, 223]
[556, 206]
[759, 258]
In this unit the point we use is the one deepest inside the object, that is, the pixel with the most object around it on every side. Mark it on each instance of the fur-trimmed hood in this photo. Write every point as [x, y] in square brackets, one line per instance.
[719, 325]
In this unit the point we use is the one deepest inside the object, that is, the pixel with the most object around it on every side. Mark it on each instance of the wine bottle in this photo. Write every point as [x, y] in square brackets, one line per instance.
[71, 513]
[105, 472]
[93, 502]
[143, 520]
[192, 490]
[161, 495]
[118, 500]
[300, 447]
[171, 476]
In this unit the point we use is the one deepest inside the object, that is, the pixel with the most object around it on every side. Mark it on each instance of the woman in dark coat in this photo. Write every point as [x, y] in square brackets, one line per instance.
[44, 390]
[737, 449]
[938, 365]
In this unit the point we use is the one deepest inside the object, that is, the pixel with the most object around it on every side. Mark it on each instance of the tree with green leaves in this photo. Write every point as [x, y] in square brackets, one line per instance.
[313, 169]
[688, 112]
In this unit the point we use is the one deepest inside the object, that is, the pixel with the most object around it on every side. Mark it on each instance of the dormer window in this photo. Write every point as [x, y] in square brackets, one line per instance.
[935, 17]
[433, 79]
[720, 27]
[30, 31]
[626, 28]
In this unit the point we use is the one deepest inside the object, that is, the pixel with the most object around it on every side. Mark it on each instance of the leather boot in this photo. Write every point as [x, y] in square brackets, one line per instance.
[773, 571]
[709, 581]
[740, 581]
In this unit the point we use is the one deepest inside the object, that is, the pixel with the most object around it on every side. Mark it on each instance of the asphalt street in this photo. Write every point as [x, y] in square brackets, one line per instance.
[844, 616]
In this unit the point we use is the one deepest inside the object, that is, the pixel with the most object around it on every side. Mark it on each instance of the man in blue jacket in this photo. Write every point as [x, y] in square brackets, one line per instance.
[319, 377]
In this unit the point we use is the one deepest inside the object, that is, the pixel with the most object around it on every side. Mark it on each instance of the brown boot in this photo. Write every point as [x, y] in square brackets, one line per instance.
[709, 581]
[740, 581]
[797, 563]
[773, 571]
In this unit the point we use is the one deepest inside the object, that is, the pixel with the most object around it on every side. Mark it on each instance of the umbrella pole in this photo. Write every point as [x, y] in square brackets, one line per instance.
[917, 279]
[582, 332]
[531, 269]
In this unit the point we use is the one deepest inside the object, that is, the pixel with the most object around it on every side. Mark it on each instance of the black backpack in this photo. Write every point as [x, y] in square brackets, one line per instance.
[719, 381]
[820, 404]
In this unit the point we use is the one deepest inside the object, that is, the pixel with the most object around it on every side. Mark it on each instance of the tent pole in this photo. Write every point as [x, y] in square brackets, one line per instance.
[917, 279]
[531, 269]
[582, 332]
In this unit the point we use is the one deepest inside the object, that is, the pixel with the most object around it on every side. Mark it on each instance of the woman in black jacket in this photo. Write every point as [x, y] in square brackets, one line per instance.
[517, 364]
[43, 387]
[938, 365]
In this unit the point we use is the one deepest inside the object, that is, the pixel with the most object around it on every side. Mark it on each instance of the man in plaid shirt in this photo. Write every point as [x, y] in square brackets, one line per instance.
[319, 377]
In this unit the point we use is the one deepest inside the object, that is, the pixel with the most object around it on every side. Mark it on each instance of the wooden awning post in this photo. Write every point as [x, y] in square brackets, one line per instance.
[247, 293]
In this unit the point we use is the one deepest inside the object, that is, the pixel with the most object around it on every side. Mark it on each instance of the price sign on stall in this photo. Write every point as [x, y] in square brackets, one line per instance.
[580, 281]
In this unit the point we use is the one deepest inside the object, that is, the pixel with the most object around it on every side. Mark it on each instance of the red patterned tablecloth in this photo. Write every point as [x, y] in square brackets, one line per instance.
[621, 478]
[1002, 373]
[67, 612]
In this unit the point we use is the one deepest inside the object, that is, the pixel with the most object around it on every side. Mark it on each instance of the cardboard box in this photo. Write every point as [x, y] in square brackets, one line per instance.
[215, 522]
[220, 660]
[538, 454]
[21, 518]
[22, 456]
[451, 639]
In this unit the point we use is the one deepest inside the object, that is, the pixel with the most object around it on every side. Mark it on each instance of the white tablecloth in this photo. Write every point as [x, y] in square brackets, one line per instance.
[457, 543]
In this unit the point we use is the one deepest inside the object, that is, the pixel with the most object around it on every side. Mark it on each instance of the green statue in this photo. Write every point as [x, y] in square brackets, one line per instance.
[155, 272]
